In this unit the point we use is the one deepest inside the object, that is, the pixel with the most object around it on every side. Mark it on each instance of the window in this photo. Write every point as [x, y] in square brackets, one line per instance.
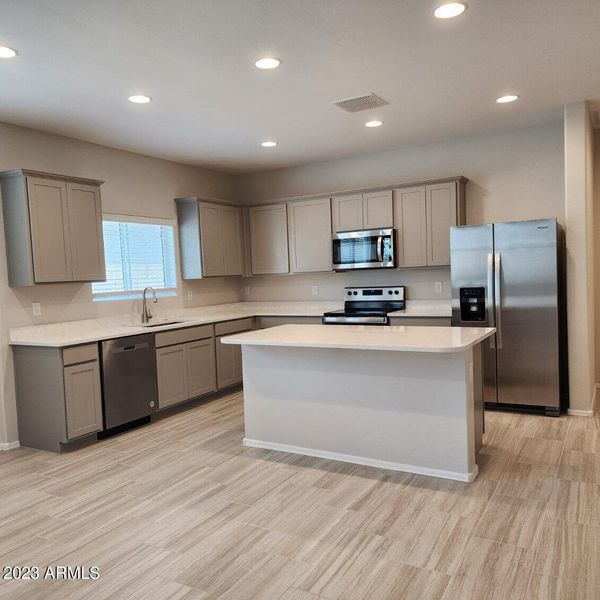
[137, 254]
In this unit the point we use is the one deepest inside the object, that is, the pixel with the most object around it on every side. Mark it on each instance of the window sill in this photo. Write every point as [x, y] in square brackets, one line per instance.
[131, 296]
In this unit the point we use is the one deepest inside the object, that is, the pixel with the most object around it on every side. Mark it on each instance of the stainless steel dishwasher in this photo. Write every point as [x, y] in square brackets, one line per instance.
[129, 379]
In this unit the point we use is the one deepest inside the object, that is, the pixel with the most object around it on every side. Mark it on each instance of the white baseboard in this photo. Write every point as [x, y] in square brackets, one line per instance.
[360, 460]
[9, 445]
[591, 412]
[580, 413]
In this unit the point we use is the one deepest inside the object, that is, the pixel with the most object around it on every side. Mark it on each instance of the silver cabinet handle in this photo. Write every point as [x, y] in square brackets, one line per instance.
[489, 296]
[498, 300]
[380, 248]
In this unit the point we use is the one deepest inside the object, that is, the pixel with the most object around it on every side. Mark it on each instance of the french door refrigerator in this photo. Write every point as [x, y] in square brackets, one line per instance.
[510, 276]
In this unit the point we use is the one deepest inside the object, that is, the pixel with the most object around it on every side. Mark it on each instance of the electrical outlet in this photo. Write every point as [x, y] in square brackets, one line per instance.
[36, 307]
[246, 290]
[439, 287]
[315, 290]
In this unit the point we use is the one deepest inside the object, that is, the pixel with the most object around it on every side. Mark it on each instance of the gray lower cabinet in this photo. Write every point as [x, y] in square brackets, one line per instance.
[431, 321]
[172, 375]
[229, 356]
[185, 369]
[201, 367]
[58, 394]
[265, 322]
[229, 364]
[83, 399]
[53, 228]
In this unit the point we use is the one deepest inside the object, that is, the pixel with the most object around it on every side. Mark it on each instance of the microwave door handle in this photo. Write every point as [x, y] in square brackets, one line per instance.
[489, 296]
[380, 248]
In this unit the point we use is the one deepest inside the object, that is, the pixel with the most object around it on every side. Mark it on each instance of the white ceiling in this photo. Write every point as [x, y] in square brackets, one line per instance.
[80, 60]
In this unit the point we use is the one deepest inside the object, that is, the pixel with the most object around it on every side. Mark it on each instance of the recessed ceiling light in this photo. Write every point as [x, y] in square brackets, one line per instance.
[6, 52]
[448, 10]
[268, 144]
[139, 99]
[373, 123]
[506, 99]
[268, 62]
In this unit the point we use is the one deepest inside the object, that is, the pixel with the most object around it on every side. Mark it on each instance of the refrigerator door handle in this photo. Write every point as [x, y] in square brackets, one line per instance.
[498, 300]
[489, 295]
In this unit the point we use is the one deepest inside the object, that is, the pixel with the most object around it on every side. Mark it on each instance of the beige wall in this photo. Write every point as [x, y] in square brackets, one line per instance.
[580, 267]
[135, 185]
[513, 175]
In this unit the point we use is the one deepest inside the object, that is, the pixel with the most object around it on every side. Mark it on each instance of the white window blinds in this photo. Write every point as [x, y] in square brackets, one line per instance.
[137, 255]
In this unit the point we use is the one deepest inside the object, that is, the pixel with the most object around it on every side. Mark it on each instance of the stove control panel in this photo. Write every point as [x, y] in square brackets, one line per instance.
[374, 293]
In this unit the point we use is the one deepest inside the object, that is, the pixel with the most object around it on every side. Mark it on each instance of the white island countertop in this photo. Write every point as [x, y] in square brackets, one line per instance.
[398, 338]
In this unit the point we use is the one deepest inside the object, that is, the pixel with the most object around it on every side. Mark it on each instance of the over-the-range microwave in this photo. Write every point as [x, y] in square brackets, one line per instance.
[365, 249]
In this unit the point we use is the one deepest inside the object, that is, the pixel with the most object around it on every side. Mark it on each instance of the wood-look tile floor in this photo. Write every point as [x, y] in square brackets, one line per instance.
[181, 510]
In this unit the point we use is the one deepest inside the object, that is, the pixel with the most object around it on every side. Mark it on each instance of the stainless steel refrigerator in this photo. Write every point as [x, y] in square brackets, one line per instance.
[511, 276]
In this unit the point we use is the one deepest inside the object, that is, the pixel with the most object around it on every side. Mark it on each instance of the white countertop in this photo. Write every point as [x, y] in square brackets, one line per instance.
[399, 338]
[71, 333]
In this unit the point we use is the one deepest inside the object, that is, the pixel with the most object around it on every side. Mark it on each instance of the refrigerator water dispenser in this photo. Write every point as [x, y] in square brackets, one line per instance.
[472, 304]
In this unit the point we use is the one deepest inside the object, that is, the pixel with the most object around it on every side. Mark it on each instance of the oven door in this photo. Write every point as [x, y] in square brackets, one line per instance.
[367, 249]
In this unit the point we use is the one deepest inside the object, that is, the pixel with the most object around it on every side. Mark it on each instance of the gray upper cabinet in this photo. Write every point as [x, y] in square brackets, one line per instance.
[347, 212]
[269, 239]
[309, 224]
[378, 210]
[362, 211]
[53, 228]
[85, 231]
[210, 239]
[442, 213]
[423, 216]
[411, 226]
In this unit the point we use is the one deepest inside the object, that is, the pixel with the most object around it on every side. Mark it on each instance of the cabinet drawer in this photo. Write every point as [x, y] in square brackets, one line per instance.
[79, 354]
[180, 336]
[234, 326]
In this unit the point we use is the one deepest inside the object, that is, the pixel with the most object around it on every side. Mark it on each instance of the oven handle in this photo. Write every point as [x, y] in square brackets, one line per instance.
[380, 248]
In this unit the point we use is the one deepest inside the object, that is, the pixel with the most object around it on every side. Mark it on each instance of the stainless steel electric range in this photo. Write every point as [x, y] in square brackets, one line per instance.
[367, 306]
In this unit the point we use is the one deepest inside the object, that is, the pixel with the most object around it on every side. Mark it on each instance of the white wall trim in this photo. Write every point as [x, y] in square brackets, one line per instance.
[588, 413]
[9, 445]
[580, 413]
[361, 460]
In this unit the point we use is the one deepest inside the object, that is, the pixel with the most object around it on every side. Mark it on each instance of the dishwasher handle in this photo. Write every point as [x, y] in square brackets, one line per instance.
[129, 348]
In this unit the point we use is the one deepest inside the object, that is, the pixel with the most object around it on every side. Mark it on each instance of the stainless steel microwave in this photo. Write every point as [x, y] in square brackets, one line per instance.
[366, 249]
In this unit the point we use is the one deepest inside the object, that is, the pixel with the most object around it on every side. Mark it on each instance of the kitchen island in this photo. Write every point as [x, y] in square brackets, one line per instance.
[404, 398]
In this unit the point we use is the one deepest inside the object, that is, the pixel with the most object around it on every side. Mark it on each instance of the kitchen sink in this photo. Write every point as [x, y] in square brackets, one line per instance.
[161, 323]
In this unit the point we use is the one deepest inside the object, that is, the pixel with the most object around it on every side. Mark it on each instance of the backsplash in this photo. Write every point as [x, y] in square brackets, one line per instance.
[420, 284]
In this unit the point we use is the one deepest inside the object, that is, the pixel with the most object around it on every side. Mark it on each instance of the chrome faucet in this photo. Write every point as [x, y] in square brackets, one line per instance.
[146, 314]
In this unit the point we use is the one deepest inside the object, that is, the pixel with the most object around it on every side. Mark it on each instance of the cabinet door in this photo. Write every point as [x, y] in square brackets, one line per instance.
[201, 367]
[441, 215]
[269, 239]
[210, 240]
[172, 375]
[231, 240]
[410, 218]
[377, 210]
[85, 231]
[83, 400]
[50, 242]
[347, 212]
[229, 364]
[310, 235]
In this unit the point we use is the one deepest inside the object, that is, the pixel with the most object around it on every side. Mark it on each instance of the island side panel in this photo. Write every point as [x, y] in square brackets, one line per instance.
[409, 411]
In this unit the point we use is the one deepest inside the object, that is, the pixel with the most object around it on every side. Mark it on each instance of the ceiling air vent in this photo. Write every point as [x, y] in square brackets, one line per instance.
[359, 103]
